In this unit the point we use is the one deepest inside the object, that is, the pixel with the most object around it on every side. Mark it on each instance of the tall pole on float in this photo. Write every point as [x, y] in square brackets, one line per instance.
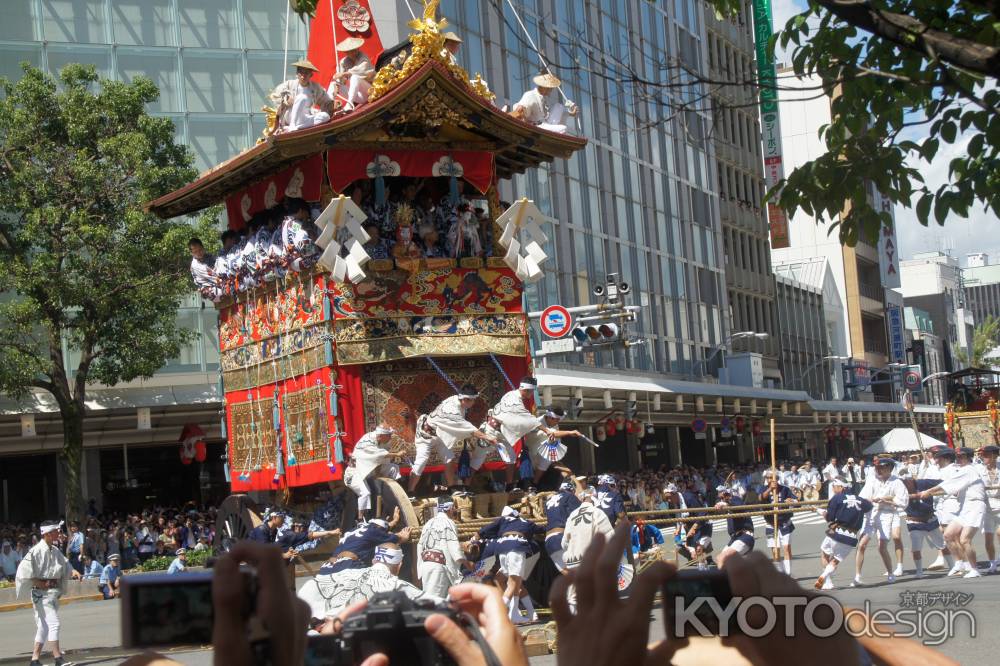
[776, 549]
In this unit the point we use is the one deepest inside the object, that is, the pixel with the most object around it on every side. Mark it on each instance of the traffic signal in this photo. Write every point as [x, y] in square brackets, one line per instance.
[601, 333]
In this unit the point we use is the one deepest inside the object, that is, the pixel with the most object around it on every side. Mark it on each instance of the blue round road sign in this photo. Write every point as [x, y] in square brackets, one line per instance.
[699, 425]
[556, 321]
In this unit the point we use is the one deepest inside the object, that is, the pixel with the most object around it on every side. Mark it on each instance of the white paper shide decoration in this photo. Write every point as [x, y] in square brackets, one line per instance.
[343, 213]
[524, 215]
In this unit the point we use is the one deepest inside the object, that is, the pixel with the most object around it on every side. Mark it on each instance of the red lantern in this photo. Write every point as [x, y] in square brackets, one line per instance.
[755, 427]
[611, 428]
[844, 432]
[741, 424]
[630, 427]
[200, 451]
[620, 422]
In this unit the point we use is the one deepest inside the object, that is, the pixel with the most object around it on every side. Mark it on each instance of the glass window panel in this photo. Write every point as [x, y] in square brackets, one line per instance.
[143, 22]
[264, 72]
[159, 65]
[189, 359]
[80, 21]
[209, 340]
[216, 139]
[12, 56]
[209, 23]
[18, 22]
[213, 82]
[99, 56]
[597, 246]
[262, 31]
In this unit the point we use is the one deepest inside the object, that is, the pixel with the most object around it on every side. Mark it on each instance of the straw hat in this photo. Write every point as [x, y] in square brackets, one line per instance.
[350, 44]
[452, 37]
[547, 81]
[305, 64]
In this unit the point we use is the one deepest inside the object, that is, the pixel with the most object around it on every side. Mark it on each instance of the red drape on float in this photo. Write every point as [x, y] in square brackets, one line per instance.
[303, 180]
[327, 29]
[346, 166]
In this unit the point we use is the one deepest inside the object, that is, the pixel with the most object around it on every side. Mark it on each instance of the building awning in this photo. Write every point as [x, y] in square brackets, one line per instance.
[42, 402]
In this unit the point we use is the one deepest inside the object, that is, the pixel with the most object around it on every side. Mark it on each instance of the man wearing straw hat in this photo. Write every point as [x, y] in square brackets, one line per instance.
[295, 99]
[44, 571]
[534, 106]
[355, 73]
[452, 43]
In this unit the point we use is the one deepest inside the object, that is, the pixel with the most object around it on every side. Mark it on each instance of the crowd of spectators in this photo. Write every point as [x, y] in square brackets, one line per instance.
[416, 218]
[90, 544]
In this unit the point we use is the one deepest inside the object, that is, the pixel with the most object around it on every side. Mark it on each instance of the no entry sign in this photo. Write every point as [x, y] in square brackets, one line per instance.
[556, 321]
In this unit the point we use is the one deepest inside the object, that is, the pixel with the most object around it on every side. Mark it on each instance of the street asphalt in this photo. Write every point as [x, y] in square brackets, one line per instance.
[91, 632]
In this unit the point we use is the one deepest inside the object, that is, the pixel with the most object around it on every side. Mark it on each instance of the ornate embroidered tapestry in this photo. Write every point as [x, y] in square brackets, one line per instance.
[251, 435]
[305, 430]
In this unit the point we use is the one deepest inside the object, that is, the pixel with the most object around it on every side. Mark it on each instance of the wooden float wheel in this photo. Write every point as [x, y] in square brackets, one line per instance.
[238, 515]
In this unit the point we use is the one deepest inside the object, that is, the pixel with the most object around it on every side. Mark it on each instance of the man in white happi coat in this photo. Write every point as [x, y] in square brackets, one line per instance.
[355, 73]
[582, 524]
[989, 472]
[329, 593]
[535, 108]
[44, 572]
[964, 507]
[515, 419]
[295, 99]
[889, 498]
[441, 430]
[545, 443]
[441, 560]
[371, 454]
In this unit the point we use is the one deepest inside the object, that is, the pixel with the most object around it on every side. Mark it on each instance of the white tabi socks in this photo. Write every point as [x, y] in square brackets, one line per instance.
[529, 607]
[786, 566]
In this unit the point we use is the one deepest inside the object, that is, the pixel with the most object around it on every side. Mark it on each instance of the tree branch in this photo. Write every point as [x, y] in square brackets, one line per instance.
[914, 35]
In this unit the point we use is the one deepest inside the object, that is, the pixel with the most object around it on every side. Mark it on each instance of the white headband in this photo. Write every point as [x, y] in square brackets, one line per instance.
[527, 385]
[384, 431]
[387, 555]
[553, 415]
[468, 396]
[445, 506]
[51, 527]
[509, 511]
[381, 523]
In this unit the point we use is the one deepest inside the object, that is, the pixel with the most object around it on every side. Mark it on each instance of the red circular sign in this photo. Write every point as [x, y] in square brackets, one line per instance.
[699, 425]
[556, 321]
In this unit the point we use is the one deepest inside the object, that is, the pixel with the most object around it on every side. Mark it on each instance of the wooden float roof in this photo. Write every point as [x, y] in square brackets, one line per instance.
[429, 110]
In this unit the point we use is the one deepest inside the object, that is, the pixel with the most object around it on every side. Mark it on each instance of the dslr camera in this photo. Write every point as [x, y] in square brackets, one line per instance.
[392, 624]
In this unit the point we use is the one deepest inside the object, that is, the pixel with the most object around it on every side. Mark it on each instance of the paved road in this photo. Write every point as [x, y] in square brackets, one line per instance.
[91, 629]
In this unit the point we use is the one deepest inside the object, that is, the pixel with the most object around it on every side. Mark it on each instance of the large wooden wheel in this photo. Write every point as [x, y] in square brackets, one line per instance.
[237, 515]
[386, 496]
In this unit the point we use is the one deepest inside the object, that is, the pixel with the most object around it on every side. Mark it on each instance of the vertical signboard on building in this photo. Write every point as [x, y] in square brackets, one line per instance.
[770, 123]
[888, 257]
[897, 344]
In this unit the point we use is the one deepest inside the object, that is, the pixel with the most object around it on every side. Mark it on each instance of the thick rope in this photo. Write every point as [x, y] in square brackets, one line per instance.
[503, 372]
[445, 377]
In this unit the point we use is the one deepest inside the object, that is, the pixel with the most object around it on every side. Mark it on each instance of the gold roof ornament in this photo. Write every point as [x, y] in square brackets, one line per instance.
[428, 42]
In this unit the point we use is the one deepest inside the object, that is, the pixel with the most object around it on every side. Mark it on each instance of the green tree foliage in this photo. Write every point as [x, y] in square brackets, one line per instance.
[985, 339]
[898, 69]
[83, 267]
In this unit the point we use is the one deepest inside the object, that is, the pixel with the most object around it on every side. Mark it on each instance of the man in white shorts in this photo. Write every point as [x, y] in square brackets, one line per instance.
[513, 534]
[440, 430]
[545, 444]
[922, 523]
[481, 451]
[990, 474]
[965, 485]
[845, 513]
[889, 497]
[740, 528]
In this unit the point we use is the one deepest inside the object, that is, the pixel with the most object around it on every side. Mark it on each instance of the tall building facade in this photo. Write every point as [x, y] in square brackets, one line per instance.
[981, 284]
[934, 282]
[736, 135]
[214, 62]
[641, 200]
[857, 271]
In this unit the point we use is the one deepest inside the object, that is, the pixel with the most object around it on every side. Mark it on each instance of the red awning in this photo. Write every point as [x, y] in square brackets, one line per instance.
[303, 180]
[346, 166]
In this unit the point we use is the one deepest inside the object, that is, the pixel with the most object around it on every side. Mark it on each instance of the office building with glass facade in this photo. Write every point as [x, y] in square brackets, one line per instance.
[214, 62]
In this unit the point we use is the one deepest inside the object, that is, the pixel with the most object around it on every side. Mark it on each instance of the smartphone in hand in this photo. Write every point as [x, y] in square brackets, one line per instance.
[696, 603]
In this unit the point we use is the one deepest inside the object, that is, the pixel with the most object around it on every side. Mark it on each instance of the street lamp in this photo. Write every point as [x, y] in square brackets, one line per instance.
[936, 375]
[812, 366]
[739, 335]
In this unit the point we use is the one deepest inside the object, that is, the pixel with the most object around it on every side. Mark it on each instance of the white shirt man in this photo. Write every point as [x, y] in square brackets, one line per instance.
[582, 524]
[989, 472]
[534, 106]
[44, 572]
[964, 507]
[354, 76]
[296, 98]
[889, 497]
[439, 552]
[514, 417]
[9, 559]
[441, 430]
[370, 454]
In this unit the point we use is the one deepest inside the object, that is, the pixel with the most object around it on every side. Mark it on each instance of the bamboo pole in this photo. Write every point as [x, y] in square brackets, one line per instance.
[775, 551]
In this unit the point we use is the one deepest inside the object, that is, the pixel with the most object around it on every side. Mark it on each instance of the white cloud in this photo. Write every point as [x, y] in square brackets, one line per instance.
[782, 10]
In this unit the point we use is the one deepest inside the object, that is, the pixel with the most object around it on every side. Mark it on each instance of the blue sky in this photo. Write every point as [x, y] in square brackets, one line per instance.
[959, 236]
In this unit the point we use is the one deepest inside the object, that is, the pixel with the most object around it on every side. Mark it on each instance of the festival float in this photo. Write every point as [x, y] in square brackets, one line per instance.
[314, 358]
